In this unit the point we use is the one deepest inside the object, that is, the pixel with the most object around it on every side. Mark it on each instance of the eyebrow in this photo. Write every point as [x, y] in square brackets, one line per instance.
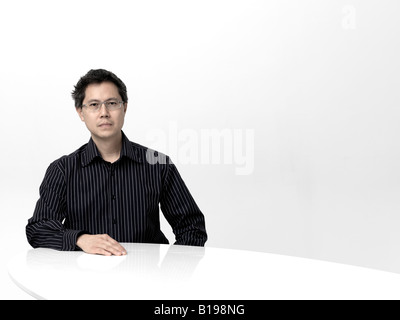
[96, 100]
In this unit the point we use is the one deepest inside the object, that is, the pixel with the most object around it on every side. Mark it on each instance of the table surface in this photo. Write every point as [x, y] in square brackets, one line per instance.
[160, 272]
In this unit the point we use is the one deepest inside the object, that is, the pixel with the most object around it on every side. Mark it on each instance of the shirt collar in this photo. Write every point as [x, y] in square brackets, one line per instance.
[128, 150]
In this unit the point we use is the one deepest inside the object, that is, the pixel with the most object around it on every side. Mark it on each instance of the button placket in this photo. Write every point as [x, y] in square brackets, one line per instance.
[113, 197]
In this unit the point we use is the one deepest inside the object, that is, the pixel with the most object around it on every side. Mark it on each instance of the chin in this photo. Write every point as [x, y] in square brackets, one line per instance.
[104, 134]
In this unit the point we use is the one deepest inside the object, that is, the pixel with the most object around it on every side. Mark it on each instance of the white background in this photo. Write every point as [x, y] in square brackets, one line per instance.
[317, 81]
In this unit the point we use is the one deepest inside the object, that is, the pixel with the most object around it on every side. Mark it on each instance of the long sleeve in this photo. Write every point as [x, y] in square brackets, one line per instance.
[45, 228]
[181, 211]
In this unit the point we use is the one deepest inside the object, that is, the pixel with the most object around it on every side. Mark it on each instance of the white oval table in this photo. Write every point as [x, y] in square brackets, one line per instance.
[159, 272]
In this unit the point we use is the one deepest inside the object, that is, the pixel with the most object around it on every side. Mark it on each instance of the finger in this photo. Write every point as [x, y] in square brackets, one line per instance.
[115, 248]
[116, 245]
[124, 252]
[103, 252]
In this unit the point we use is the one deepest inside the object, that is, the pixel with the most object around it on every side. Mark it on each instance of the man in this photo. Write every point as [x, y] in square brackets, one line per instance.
[108, 191]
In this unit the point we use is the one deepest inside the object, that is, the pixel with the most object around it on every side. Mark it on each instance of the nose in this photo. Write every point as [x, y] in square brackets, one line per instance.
[104, 113]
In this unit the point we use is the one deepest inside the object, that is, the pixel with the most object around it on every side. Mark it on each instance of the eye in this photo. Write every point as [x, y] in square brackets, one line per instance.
[112, 103]
[93, 104]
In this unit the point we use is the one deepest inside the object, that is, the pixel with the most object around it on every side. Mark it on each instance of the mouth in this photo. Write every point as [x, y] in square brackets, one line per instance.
[105, 125]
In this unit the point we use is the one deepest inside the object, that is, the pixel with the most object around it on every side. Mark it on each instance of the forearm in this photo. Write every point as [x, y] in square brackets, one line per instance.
[51, 234]
[181, 211]
[191, 230]
[45, 229]
[193, 238]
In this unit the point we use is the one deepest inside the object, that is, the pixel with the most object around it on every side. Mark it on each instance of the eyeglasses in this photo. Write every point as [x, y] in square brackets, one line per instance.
[110, 105]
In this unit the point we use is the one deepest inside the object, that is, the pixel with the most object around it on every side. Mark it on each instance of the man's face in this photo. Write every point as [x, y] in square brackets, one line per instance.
[102, 124]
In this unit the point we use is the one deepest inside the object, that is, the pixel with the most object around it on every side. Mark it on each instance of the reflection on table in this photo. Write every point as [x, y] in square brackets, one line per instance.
[143, 260]
[160, 272]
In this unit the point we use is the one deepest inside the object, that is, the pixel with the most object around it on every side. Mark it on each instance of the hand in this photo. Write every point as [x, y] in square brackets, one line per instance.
[100, 244]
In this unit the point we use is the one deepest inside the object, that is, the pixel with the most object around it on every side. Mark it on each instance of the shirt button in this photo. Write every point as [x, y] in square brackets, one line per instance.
[113, 197]
[114, 221]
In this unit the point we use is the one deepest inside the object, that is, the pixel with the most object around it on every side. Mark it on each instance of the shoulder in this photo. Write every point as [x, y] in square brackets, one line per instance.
[68, 160]
[148, 155]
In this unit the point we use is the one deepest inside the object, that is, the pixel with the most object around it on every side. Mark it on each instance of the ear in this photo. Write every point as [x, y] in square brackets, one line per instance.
[125, 107]
[80, 113]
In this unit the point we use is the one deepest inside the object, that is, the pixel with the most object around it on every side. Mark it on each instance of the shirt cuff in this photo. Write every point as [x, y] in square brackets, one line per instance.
[69, 239]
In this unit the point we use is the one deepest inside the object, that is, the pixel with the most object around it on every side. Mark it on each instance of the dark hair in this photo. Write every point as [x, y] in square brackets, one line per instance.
[97, 76]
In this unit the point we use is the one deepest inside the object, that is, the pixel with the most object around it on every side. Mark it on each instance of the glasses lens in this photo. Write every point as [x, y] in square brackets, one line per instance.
[93, 106]
[113, 105]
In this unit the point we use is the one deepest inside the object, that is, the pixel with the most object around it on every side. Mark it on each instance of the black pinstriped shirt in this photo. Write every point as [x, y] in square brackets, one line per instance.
[82, 193]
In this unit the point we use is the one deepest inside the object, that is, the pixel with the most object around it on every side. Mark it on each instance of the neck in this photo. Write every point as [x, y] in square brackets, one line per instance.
[109, 148]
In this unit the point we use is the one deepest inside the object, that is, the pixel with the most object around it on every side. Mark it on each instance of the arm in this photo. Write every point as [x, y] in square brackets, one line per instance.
[45, 228]
[181, 211]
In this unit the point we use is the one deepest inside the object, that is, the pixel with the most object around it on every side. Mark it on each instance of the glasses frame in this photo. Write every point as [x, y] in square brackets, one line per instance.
[105, 104]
